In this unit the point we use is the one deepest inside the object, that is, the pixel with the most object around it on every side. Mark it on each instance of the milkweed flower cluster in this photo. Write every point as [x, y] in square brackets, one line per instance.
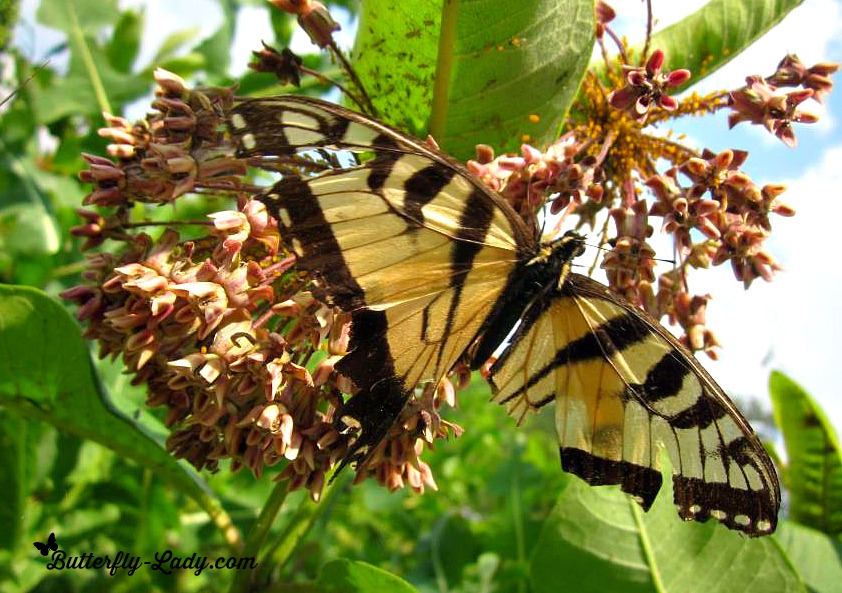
[605, 162]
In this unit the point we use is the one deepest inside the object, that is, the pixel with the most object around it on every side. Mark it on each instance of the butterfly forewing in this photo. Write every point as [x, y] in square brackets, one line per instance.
[417, 250]
[435, 267]
[284, 125]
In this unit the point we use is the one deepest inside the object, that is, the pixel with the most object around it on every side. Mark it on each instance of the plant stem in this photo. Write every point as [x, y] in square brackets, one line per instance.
[258, 532]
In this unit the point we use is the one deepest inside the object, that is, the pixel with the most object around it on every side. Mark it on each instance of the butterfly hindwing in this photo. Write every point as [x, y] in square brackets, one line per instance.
[623, 388]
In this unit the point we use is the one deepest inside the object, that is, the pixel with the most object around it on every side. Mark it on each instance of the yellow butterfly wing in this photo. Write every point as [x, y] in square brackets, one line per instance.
[409, 242]
[623, 388]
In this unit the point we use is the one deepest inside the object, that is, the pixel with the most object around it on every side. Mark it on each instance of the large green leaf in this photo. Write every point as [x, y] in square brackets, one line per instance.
[91, 86]
[598, 539]
[817, 556]
[488, 71]
[46, 374]
[712, 36]
[814, 470]
[348, 576]
[86, 16]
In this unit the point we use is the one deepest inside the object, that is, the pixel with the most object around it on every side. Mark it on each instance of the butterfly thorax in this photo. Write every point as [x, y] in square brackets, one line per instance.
[537, 275]
[556, 256]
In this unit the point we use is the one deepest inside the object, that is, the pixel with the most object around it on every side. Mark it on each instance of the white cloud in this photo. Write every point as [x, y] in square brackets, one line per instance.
[794, 323]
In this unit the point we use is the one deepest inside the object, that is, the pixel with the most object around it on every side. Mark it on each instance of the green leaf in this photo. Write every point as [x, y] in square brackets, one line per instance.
[9, 16]
[92, 86]
[170, 46]
[477, 70]
[714, 35]
[19, 179]
[455, 546]
[818, 557]
[46, 375]
[27, 229]
[348, 576]
[124, 45]
[814, 472]
[217, 48]
[186, 65]
[86, 16]
[283, 27]
[14, 455]
[395, 57]
[598, 539]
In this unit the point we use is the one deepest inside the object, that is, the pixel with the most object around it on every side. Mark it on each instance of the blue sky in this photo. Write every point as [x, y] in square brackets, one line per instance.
[792, 324]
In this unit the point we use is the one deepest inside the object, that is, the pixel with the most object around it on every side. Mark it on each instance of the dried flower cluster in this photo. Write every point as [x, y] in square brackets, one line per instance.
[213, 317]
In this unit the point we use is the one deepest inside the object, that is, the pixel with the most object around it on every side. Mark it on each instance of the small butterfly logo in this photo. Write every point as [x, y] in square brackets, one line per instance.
[50, 545]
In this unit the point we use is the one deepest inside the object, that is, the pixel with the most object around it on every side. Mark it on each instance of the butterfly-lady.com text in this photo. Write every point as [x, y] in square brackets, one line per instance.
[166, 562]
[60, 560]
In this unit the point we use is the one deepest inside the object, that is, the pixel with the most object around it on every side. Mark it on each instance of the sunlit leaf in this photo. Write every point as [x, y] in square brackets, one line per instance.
[817, 556]
[814, 470]
[598, 539]
[511, 80]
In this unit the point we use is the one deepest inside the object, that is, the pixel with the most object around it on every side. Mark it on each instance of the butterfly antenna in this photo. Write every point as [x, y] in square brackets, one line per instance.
[25, 82]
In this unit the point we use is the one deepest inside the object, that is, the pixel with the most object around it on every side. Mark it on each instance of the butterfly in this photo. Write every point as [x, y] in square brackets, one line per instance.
[50, 545]
[436, 268]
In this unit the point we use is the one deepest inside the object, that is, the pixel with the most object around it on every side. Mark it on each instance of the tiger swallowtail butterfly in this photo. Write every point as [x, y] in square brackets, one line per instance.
[435, 268]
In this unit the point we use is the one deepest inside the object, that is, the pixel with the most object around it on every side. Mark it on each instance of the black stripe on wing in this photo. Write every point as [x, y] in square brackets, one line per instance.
[370, 365]
[700, 500]
[643, 483]
[608, 339]
[305, 229]
[281, 126]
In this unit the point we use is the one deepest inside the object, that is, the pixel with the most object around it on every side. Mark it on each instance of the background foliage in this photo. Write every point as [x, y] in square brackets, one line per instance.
[82, 458]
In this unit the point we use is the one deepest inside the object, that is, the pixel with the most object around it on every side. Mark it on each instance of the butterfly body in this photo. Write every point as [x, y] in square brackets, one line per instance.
[435, 269]
[538, 274]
